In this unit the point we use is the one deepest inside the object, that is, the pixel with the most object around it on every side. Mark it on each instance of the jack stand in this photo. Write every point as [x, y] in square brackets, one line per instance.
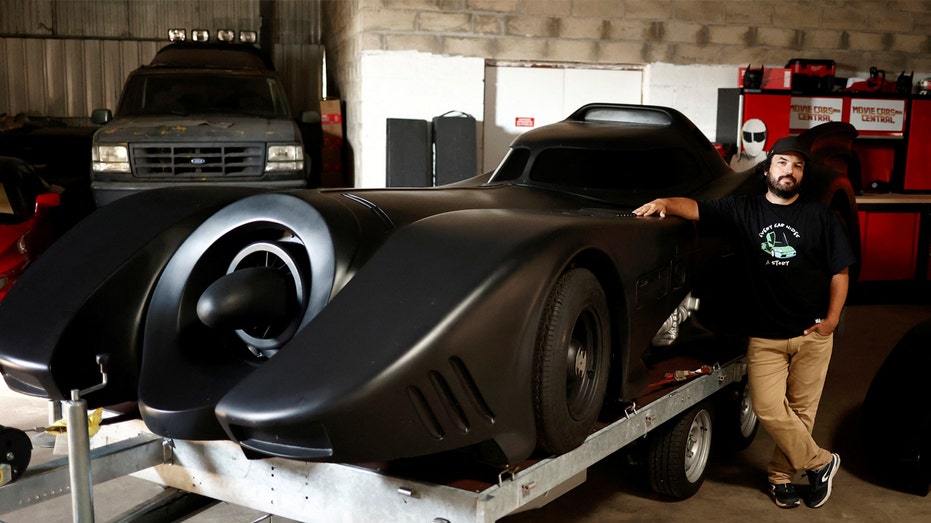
[54, 411]
[79, 462]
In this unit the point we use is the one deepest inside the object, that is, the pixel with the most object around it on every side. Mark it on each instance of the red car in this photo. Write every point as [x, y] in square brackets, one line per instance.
[25, 219]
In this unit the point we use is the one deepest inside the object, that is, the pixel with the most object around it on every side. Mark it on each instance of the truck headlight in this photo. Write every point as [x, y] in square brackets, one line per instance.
[285, 158]
[110, 158]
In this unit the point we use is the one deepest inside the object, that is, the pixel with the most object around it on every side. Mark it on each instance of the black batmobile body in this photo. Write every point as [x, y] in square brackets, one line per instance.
[496, 314]
[900, 455]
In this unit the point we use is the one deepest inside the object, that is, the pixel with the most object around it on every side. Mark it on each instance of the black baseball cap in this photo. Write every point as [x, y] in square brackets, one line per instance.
[790, 144]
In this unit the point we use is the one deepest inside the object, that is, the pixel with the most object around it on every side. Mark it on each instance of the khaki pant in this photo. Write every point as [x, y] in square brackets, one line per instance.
[786, 379]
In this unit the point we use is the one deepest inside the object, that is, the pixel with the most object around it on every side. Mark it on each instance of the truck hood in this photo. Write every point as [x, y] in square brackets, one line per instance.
[198, 127]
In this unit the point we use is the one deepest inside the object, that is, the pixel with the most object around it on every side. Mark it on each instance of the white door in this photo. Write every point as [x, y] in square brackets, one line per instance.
[520, 97]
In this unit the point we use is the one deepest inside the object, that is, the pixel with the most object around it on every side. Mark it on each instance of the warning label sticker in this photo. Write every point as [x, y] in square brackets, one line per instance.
[523, 121]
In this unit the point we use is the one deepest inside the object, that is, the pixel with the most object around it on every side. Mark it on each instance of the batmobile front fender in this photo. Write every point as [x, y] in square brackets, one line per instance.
[88, 294]
[428, 348]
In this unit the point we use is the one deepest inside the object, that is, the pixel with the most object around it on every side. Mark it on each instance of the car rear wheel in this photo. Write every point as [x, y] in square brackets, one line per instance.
[679, 452]
[572, 361]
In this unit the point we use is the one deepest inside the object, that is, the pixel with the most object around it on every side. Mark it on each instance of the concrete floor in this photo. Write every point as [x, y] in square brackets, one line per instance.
[734, 489]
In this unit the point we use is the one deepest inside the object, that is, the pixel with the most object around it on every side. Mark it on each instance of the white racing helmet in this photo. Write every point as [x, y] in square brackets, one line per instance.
[753, 136]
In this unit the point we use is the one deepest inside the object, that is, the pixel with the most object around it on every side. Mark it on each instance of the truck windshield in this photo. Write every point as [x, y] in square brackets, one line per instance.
[184, 94]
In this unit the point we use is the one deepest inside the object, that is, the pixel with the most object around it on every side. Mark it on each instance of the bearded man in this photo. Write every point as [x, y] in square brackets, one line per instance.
[798, 258]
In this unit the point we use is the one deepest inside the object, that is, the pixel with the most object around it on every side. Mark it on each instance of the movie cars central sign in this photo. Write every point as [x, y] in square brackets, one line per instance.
[867, 115]
[805, 113]
[877, 115]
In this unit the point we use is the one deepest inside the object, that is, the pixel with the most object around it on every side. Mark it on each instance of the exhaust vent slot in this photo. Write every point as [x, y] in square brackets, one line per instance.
[468, 383]
[453, 408]
[425, 413]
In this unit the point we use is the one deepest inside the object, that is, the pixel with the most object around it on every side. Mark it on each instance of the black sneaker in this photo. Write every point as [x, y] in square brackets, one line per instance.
[821, 481]
[784, 494]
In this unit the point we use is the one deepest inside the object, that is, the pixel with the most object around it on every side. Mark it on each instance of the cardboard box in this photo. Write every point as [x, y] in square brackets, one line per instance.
[331, 152]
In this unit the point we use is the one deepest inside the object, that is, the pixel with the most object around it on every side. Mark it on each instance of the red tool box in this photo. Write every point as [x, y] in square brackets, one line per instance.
[812, 76]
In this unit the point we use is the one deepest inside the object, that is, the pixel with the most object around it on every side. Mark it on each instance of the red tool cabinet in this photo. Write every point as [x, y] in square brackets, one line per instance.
[918, 158]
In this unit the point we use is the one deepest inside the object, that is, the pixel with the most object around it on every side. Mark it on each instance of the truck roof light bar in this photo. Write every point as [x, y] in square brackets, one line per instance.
[203, 35]
[177, 35]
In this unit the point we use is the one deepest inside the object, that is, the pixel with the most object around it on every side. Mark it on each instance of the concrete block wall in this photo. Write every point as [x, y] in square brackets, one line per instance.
[682, 41]
[889, 34]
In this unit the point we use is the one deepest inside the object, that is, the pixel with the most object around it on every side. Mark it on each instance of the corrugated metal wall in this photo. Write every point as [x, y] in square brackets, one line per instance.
[66, 77]
[129, 19]
[64, 58]
[298, 50]
[301, 71]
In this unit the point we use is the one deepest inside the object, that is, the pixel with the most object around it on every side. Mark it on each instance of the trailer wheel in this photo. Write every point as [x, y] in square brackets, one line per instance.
[15, 451]
[737, 420]
[571, 362]
[679, 452]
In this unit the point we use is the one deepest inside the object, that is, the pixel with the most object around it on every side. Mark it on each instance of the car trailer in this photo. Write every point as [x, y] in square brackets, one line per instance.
[218, 470]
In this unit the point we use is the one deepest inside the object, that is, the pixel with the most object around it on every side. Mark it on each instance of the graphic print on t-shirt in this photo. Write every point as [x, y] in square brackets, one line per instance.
[777, 242]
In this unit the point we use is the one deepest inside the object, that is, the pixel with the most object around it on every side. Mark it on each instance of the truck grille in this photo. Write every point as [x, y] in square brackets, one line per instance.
[202, 161]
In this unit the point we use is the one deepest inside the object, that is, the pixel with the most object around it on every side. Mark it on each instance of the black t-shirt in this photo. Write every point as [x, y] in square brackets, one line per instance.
[791, 253]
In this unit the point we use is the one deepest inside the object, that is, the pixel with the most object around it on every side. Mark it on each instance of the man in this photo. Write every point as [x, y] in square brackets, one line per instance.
[798, 259]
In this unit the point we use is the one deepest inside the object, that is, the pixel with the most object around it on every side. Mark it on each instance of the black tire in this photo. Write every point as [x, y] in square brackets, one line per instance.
[572, 358]
[679, 453]
[15, 451]
[737, 422]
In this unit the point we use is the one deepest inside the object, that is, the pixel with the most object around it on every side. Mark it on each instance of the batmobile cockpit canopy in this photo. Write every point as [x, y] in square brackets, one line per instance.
[619, 153]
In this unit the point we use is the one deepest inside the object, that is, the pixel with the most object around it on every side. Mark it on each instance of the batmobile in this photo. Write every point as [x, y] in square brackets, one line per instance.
[495, 315]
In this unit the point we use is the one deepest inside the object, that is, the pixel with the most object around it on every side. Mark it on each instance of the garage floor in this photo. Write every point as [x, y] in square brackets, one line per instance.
[734, 489]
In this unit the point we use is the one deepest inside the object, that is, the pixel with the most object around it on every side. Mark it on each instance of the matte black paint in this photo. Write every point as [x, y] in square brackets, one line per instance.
[896, 424]
[424, 304]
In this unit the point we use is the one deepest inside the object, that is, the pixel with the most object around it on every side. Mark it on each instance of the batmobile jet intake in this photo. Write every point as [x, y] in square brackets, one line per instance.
[242, 297]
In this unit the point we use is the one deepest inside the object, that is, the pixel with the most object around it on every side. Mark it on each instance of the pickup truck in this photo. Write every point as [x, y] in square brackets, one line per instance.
[198, 114]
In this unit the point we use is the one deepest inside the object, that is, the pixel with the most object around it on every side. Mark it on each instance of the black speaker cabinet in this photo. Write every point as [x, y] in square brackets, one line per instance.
[409, 153]
[454, 140]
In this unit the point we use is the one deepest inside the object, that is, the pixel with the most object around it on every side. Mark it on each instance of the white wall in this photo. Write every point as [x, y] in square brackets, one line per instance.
[409, 84]
[519, 98]
[690, 89]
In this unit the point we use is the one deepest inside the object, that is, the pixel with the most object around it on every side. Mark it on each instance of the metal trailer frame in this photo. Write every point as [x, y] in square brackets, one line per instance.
[335, 492]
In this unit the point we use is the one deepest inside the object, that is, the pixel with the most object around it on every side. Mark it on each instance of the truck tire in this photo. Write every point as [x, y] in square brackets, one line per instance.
[679, 452]
[572, 358]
